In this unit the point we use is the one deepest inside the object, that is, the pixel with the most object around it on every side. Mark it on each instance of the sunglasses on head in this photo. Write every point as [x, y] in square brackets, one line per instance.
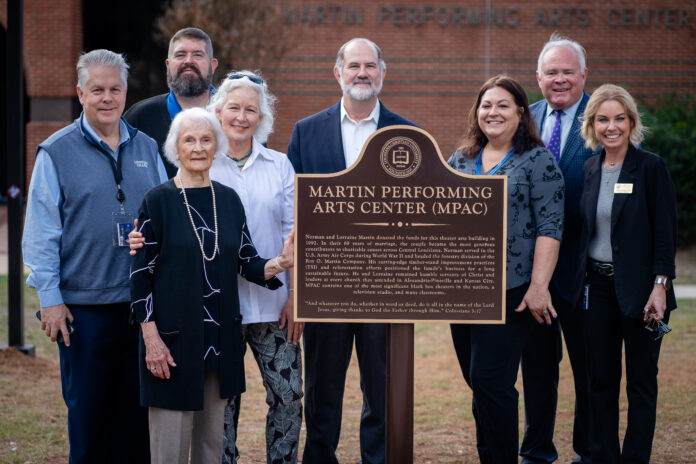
[251, 77]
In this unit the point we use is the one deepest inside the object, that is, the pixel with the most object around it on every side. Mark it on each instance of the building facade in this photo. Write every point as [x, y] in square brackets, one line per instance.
[438, 54]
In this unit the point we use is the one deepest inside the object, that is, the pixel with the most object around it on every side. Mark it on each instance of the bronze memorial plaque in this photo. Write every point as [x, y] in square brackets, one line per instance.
[400, 237]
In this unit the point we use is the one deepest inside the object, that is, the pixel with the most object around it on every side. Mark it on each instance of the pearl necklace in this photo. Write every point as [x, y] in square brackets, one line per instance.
[193, 224]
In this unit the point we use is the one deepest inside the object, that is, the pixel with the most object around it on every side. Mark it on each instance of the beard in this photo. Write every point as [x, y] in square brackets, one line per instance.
[359, 93]
[190, 85]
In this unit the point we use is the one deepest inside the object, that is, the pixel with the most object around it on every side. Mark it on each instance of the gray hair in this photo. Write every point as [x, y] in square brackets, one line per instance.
[266, 99]
[191, 33]
[198, 115]
[340, 56]
[100, 57]
[557, 40]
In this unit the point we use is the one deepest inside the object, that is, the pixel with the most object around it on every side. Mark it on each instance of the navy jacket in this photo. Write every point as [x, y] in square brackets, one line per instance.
[316, 145]
[643, 228]
[573, 158]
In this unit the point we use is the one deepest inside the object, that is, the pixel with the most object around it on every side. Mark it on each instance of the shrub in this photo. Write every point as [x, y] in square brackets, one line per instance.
[672, 134]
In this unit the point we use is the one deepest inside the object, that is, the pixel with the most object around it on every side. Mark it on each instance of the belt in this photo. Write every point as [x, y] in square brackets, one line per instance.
[603, 269]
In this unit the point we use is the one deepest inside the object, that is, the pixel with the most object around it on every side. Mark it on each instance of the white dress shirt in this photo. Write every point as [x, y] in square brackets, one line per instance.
[567, 119]
[266, 186]
[355, 134]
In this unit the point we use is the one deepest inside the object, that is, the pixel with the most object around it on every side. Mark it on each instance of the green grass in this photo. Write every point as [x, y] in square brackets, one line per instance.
[32, 329]
[32, 420]
[33, 415]
[676, 428]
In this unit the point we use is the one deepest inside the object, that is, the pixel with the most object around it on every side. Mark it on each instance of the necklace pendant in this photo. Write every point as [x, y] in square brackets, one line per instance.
[240, 161]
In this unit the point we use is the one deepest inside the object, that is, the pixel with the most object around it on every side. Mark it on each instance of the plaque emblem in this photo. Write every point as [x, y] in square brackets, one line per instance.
[400, 157]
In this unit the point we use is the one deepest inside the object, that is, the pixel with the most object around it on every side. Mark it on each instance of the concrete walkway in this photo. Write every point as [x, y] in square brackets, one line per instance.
[685, 292]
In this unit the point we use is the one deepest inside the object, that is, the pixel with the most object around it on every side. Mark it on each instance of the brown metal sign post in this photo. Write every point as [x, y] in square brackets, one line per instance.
[399, 393]
[400, 237]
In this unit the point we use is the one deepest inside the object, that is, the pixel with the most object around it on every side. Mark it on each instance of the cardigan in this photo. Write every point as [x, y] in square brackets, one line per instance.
[168, 284]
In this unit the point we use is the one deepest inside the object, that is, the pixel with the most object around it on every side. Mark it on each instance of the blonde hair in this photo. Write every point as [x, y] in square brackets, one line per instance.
[604, 93]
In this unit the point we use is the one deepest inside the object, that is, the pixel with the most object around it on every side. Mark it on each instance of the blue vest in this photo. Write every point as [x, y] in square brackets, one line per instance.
[92, 270]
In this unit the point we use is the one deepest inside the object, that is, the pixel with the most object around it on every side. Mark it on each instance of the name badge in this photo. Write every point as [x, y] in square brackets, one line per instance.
[623, 188]
[122, 224]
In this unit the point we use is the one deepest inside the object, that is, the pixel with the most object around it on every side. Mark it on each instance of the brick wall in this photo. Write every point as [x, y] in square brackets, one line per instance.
[37, 132]
[436, 55]
[52, 42]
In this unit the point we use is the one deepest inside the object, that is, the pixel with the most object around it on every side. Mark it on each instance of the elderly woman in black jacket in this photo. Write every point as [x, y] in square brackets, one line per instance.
[628, 241]
[184, 294]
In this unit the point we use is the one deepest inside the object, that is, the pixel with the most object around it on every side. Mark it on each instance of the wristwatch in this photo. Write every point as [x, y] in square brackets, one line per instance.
[664, 281]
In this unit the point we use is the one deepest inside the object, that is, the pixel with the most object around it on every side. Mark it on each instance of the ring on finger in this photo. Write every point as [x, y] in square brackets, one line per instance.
[153, 368]
[546, 311]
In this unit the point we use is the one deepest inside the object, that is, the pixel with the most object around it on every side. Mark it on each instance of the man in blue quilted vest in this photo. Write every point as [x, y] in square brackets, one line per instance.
[88, 181]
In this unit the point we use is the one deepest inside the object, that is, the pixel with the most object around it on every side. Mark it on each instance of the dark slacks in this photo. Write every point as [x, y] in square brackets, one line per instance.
[489, 356]
[99, 376]
[540, 360]
[607, 330]
[328, 348]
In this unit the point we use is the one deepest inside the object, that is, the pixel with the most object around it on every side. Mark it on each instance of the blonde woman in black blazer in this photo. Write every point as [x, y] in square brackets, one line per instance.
[629, 243]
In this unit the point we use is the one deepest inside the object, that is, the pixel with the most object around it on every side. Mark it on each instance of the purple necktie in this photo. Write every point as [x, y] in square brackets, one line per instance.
[554, 144]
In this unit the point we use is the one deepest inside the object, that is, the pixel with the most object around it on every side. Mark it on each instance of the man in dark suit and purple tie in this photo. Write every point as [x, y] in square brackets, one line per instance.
[561, 74]
[328, 142]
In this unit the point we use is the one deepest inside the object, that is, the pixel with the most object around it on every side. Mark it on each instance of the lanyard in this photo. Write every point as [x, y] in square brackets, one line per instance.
[492, 171]
[118, 176]
[115, 167]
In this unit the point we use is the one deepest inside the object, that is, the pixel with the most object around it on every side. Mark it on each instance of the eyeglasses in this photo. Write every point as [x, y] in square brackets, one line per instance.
[251, 77]
[659, 327]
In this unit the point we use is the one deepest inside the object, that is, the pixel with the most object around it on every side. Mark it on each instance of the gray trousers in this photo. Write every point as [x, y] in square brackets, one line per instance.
[280, 364]
[173, 432]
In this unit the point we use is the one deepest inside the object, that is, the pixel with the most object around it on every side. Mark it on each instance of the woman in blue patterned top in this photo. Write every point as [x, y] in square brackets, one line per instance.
[185, 297]
[501, 139]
